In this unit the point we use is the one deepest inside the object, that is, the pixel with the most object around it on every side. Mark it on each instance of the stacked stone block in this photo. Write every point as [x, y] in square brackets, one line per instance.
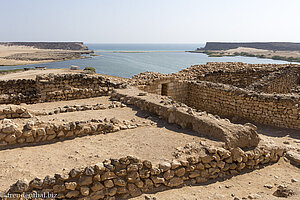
[233, 135]
[229, 101]
[14, 135]
[52, 87]
[129, 176]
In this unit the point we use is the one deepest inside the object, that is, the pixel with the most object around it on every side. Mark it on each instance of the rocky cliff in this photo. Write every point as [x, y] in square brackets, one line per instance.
[49, 45]
[276, 46]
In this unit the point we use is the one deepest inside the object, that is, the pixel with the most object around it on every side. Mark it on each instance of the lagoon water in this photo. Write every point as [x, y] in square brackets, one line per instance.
[125, 60]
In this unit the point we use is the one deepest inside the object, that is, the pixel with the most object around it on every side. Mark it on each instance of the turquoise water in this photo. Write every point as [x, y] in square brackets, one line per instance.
[149, 58]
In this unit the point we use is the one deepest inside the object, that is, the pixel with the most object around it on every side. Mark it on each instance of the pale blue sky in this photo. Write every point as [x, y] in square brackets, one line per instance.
[149, 21]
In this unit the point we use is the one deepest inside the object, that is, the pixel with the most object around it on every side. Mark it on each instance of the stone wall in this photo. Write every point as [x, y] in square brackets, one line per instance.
[284, 81]
[240, 79]
[233, 135]
[17, 91]
[55, 88]
[232, 102]
[12, 111]
[71, 86]
[129, 176]
[281, 110]
[34, 132]
[176, 89]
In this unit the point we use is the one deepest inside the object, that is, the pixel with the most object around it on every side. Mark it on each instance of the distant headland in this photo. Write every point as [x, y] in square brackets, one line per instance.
[22, 53]
[274, 46]
[287, 51]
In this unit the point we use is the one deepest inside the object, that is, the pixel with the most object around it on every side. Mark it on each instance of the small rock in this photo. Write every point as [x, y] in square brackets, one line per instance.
[294, 157]
[283, 191]
[254, 196]
[142, 94]
[293, 180]
[147, 197]
[268, 186]
[20, 186]
[165, 166]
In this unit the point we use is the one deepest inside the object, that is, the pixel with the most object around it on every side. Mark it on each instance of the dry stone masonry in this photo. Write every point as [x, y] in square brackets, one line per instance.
[13, 111]
[75, 108]
[193, 98]
[232, 134]
[262, 93]
[129, 176]
[34, 132]
[50, 87]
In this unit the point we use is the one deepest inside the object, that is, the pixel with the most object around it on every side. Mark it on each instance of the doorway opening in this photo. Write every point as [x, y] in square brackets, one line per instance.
[164, 89]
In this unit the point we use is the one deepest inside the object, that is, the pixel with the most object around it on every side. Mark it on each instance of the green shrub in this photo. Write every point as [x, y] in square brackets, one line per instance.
[92, 69]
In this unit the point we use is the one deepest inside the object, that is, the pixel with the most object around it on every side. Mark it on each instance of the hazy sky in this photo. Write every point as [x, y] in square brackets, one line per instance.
[149, 21]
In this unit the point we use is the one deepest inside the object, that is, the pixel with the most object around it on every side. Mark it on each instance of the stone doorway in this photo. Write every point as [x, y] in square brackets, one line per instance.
[164, 89]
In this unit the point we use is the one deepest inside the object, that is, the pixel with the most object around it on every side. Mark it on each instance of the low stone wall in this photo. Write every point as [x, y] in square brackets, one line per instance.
[52, 87]
[229, 101]
[12, 111]
[129, 176]
[75, 108]
[14, 135]
[232, 134]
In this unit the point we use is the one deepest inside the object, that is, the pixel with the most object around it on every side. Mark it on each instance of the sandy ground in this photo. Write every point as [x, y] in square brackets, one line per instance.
[23, 55]
[31, 74]
[257, 52]
[61, 156]
[41, 160]
[10, 50]
[265, 52]
[156, 142]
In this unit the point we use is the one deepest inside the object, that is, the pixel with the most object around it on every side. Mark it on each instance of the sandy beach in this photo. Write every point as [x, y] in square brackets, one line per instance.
[292, 56]
[23, 55]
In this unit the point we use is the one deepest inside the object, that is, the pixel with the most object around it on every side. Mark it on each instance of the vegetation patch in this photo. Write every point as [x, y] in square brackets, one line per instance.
[11, 70]
[92, 69]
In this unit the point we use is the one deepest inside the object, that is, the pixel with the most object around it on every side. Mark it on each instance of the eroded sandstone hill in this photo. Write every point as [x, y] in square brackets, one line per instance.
[49, 45]
[276, 46]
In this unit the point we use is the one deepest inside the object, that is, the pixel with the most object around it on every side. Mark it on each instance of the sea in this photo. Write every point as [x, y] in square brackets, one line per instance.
[126, 60]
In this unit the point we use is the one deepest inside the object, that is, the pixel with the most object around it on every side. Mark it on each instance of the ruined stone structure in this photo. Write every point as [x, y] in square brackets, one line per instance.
[267, 94]
[130, 176]
[233, 135]
[54, 88]
[195, 98]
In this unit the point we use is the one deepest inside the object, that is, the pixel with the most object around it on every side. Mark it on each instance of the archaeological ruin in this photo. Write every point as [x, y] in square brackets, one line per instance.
[223, 104]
